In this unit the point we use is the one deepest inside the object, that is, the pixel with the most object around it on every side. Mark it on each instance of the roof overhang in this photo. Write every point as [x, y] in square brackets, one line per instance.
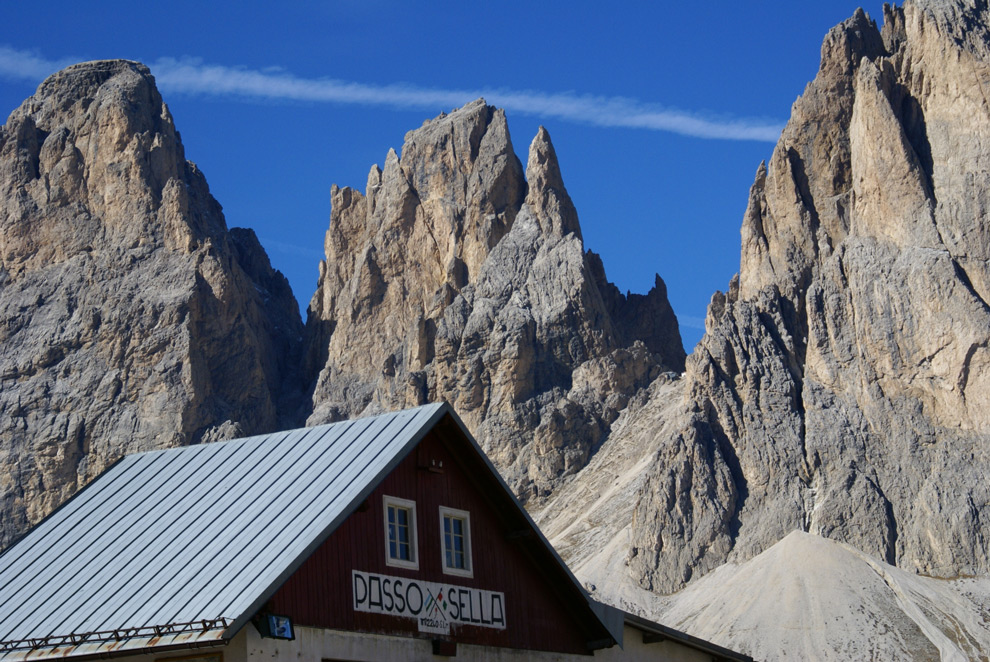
[151, 643]
[605, 623]
[434, 413]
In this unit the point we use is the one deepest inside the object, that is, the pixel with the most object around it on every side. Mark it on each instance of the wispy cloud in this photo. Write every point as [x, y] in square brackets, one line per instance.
[192, 76]
[290, 249]
[691, 322]
[28, 65]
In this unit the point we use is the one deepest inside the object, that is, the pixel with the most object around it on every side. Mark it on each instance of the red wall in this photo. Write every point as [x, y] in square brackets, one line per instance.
[320, 593]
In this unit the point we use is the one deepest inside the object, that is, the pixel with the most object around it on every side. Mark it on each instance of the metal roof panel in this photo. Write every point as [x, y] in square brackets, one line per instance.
[196, 533]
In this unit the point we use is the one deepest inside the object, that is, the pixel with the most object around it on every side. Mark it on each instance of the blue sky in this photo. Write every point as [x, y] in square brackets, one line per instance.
[660, 112]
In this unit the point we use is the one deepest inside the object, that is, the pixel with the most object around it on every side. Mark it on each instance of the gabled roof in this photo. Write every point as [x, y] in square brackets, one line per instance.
[181, 547]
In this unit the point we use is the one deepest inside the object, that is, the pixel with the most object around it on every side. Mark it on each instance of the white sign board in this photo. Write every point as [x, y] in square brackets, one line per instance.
[434, 606]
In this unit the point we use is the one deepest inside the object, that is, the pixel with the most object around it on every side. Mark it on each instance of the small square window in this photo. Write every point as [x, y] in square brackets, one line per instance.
[455, 534]
[400, 533]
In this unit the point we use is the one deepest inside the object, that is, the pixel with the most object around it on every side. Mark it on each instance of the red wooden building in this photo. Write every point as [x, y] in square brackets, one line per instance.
[390, 537]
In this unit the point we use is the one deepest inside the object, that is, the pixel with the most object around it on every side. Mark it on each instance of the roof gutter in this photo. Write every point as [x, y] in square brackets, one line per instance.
[104, 651]
[105, 655]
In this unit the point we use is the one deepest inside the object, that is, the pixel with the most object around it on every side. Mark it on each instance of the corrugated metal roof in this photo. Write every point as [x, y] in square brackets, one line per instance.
[203, 532]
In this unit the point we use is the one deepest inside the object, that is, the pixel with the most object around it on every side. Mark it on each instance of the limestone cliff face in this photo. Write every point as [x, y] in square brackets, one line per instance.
[842, 387]
[130, 318]
[454, 278]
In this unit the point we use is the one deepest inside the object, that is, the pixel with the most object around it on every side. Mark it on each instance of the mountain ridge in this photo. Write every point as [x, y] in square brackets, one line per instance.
[839, 390]
[825, 403]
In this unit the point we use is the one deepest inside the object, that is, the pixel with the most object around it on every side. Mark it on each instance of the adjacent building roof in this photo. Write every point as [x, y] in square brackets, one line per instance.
[654, 633]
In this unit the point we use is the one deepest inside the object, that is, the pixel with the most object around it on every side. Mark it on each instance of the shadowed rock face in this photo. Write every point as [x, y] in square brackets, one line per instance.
[454, 278]
[130, 318]
[842, 385]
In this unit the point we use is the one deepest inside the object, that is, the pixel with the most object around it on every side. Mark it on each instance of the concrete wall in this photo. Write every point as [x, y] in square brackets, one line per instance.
[319, 645]
[315, 645]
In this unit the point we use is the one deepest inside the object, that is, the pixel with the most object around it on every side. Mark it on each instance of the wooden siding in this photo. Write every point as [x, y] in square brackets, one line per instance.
[541, 611]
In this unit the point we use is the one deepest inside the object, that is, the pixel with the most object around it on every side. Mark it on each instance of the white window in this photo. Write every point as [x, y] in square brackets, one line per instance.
[455, 534]
[400, 533]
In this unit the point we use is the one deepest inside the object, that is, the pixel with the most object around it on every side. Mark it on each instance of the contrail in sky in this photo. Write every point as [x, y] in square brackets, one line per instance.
[191, 76]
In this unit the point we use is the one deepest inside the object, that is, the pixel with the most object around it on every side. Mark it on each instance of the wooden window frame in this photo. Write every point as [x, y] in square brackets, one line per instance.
[406, 504]
[465, 516]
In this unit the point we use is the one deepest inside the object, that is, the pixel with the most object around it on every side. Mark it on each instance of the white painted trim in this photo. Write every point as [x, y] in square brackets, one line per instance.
[468, 560]
[413, 533]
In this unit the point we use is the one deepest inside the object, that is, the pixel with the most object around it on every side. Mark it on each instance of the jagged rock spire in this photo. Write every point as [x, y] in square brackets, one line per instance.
[454, 278]
[546, 188]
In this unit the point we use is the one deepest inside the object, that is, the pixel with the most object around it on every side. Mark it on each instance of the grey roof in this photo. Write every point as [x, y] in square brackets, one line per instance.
[190, 534]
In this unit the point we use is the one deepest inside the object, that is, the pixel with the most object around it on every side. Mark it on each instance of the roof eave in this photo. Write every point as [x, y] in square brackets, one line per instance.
[611, 622]
[126, 647]
[244, 618]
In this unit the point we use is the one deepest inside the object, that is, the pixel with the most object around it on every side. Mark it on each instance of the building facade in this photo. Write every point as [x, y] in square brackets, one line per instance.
[386, 538]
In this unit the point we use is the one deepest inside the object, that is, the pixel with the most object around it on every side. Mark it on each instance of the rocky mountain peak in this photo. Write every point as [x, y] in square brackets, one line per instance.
[116, 86]
[546, 187]
[454, 278]
[848, 43]
[811, 161]
[835, 392]
[98, 135]
[132, 318]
